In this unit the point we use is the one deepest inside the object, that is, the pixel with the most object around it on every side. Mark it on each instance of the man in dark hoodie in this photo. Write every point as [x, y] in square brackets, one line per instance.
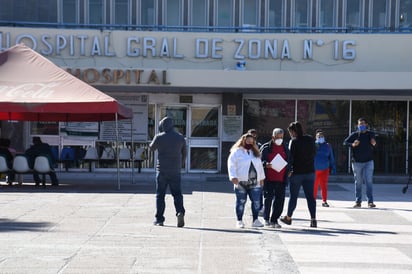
[171, 148]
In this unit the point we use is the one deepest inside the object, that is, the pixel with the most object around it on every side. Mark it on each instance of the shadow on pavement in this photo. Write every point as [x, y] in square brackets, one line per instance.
[242, 231]
[7, 225]
[111, 186]
[334, 231]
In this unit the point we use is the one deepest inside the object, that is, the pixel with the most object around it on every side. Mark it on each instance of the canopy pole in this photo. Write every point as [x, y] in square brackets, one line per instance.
[133, 150]
[117, 152]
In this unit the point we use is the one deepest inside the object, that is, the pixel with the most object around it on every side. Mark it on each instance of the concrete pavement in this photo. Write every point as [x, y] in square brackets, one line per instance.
[87, 225]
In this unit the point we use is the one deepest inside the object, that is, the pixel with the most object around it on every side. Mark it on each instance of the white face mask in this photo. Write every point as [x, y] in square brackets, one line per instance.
[278, 142]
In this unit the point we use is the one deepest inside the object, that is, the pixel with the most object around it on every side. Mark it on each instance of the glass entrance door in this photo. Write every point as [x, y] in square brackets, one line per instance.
[200, 126]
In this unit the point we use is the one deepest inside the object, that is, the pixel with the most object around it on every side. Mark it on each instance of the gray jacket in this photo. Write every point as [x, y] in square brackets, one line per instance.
[171, 147]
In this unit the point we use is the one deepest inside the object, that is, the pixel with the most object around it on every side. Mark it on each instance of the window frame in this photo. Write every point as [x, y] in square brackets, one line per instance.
[309, 14]
[216, 15]
[242, 16]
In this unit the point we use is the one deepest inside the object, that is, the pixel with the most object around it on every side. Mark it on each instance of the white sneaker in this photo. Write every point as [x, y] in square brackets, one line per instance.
[257, 223]
[240, 224]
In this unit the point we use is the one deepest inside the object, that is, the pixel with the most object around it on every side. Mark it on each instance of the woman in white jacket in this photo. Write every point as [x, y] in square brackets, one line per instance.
[247, 175]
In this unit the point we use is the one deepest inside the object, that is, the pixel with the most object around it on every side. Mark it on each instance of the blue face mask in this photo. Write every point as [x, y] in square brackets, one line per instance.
[362, 127]
[320, 140]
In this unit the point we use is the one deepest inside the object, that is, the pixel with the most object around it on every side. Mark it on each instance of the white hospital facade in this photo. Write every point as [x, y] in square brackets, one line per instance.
[222, 67]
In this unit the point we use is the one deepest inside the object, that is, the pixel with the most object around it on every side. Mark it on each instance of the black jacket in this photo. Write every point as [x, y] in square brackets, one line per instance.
[303, 151]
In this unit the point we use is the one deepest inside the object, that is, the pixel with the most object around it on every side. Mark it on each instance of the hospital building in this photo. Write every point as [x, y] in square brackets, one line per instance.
[221, 67]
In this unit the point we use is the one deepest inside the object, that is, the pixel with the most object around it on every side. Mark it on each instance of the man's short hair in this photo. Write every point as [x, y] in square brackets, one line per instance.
[277, 131]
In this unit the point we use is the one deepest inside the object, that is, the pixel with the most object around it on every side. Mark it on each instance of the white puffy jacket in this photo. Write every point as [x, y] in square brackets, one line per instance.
[238, 165]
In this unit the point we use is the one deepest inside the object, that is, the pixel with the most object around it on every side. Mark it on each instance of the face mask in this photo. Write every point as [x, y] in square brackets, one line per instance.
[278, 142]
[320, 140]
[248, 146]
[362, 128]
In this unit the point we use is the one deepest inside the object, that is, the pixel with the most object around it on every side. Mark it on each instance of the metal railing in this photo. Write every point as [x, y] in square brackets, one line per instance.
[230, 29]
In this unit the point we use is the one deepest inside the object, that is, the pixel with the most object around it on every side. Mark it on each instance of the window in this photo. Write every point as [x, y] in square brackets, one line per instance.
[301, 13]
[44, 128]
[29, 11]
[388, 120]
[7, 11]
[224, 11]
[327, 14]
[275, 14]
[70, 11]
[354, 14]
[147, 13]
[199, 12]
[265, 115]
[173, 15]
[203, 158]
[405, 14]
[121, 12]
[332, 118]
[179, 116]
[204, 122]
[250, 11]
[96, 12]
[379, 12]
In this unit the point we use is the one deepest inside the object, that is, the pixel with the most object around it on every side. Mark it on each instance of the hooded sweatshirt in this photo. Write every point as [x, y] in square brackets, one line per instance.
[171, 147]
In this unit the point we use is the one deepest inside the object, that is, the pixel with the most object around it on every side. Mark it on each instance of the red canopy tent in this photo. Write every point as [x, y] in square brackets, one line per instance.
[32, 88]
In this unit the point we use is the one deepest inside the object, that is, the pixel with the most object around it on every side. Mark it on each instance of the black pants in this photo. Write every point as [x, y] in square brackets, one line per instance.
[52, 175]
[274, 193]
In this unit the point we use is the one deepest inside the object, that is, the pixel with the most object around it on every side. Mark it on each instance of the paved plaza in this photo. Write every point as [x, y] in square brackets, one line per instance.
[88, 225]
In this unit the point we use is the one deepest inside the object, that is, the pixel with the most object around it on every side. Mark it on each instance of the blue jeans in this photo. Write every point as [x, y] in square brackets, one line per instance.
[363, 173]
[254, 193]
[307, 181]
[173, 181]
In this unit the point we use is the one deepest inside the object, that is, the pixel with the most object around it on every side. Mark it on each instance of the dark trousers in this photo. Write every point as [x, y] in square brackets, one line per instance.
[306, 181]
[53, 178]
[173, 180]
[274, 193]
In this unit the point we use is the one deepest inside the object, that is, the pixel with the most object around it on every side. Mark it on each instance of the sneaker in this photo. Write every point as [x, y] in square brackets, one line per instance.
[357, 205]
[286, 220]
[240, 224]
[158, 223]
[257, 223]
[267, 223]
[313, 223]
[371, 205]
[325, 204]
[180, 219]
[276, 225]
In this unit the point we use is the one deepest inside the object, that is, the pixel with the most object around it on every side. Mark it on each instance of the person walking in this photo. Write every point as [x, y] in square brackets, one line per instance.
[302, 171]
[41, 149]
[171, 148]
[276, 177]
[324, 165]
[255, 135]
[363, 143]
[245, 170]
